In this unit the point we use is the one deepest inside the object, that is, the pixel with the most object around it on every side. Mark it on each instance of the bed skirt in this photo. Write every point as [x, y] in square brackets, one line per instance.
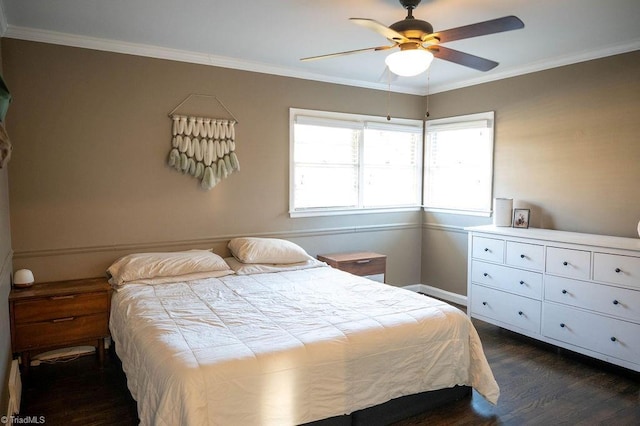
[397, 409]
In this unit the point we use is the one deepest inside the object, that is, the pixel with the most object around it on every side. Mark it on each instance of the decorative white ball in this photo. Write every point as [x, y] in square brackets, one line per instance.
[23, 278]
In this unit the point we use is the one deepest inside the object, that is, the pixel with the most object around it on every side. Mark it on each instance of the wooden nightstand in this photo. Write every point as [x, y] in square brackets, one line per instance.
[59, 314]
[364, 263]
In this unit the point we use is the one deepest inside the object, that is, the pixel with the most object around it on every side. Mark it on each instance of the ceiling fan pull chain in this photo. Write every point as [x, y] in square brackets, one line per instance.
[388, 94]
[426, 114]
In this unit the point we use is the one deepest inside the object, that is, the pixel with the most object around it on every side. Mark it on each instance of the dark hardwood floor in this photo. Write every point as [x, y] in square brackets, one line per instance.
[540, 385]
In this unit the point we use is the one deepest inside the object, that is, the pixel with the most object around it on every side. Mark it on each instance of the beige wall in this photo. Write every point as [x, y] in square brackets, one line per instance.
[88, 181]
[566, 146]
[5, 284]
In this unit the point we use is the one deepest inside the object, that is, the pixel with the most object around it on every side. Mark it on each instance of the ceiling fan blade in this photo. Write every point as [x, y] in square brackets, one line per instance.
[380, 29]
[493, 26]
[461, 58]
[348, 52]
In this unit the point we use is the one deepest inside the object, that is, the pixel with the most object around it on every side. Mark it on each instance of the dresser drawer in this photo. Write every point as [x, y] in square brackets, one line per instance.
[525, 283]
[619, 302]
[490, 249]
[608, 336]
[568, 262]
[517, 311]
[69, 329]
[529, 256]
[616, 269]
[63, 306]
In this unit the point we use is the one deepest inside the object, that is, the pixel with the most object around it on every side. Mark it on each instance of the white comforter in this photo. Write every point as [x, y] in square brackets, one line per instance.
[287, 348]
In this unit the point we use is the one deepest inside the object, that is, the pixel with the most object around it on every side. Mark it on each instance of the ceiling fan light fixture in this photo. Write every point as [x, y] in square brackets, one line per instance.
[410, 62]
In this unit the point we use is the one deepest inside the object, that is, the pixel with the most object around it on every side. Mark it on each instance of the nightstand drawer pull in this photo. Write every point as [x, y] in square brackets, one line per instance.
[63, 319]
[72, 296]
[360, 262]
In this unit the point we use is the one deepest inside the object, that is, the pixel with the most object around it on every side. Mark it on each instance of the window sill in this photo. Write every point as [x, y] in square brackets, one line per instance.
[344, 212]
[480, 213]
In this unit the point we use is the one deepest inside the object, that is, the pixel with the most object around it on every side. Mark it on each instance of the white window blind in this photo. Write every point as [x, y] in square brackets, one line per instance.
[459, 163]
[346, 163]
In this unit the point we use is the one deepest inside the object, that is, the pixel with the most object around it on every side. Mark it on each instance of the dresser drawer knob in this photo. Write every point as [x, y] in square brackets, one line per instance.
[522, 256]
[520, 313]
[615, 302]
[562, 325]
[613, 339]
[363, 261]
[565, 263]
[484, 303]
[618, 270]
[485, 274]
[486, 249]
[564, 291]
[521, 282]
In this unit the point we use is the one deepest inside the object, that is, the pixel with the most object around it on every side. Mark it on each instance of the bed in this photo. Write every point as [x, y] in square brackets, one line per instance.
[273, 343]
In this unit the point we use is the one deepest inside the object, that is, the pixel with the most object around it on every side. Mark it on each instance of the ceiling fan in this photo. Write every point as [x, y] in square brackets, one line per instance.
[419, 44]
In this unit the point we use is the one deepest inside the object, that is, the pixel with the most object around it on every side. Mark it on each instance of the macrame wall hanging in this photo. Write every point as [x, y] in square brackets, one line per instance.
[203, 147]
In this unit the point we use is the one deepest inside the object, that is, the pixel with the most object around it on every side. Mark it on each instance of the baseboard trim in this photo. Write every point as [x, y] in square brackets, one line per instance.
[438, 293]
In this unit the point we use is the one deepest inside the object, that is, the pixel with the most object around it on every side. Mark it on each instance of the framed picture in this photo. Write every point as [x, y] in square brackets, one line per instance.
[521, 218]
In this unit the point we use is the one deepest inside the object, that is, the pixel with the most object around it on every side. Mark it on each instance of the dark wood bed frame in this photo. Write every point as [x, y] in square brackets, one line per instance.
[397, 409]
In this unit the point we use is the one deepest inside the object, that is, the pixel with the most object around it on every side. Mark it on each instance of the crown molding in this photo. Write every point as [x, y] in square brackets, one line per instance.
[53, 37]
[556, 62]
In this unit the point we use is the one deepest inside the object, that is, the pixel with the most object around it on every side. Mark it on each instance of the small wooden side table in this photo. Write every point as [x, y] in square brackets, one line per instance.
[60, 314]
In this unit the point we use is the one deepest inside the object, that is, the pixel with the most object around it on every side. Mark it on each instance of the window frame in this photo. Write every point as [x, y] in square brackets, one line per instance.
[462, 121]
[361, 120]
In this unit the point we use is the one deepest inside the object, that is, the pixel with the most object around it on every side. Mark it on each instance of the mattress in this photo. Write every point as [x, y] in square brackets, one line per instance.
[287, 347]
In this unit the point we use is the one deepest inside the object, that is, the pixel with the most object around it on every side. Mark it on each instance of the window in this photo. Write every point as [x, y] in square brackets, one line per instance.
[459, 164]
[346, 163]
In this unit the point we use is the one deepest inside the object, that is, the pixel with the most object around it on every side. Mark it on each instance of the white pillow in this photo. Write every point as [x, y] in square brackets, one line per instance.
[267, 250]
[142, 266]
[260, 268]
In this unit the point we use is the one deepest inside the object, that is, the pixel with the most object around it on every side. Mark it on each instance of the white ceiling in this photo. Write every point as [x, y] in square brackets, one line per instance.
[272, 35]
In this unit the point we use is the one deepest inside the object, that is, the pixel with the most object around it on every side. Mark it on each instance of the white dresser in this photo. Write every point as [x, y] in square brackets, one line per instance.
[576, 291]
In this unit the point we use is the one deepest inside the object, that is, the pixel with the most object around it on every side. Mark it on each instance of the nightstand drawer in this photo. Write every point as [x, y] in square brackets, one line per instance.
[364, 266]
[53, 332]
[361, 263]
[63, 306]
